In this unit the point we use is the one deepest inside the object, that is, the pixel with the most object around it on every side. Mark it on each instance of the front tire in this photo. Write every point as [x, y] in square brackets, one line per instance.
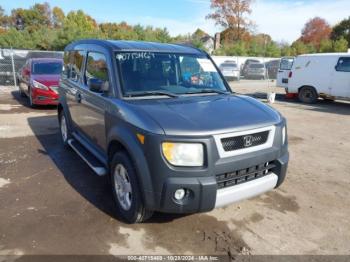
[308, 94]
[31, 103]
[126, 190]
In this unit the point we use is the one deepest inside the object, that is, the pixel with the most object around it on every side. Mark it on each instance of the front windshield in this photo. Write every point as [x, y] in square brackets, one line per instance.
[47, 68]
[168, 72]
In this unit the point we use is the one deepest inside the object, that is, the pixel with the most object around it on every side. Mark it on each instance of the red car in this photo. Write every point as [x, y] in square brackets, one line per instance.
[38, 80]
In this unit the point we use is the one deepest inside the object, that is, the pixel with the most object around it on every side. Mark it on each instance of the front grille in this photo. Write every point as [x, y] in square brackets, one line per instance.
[244, 175]
[244, 141]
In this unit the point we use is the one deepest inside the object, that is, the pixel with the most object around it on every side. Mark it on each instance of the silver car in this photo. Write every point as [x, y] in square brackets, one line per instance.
[256, 71]
[230, 70]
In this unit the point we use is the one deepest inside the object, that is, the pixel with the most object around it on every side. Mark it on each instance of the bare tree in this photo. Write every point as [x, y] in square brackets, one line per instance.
[232, 15]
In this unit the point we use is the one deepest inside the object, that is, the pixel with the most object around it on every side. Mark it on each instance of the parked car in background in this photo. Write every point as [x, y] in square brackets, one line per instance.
[256, 71]
[164, 125]
[320, 75]
[38, 80]
[272, 68]
[285, 66]
[230, 70]
[246, 64]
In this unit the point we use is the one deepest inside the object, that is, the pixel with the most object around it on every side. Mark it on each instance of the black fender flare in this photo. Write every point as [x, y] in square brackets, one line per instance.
[121, 134]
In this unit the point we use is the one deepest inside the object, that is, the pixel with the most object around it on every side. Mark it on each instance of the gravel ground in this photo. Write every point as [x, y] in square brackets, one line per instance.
[52, 203]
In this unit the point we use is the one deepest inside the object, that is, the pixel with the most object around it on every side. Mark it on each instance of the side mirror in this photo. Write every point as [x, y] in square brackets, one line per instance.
[97, 85]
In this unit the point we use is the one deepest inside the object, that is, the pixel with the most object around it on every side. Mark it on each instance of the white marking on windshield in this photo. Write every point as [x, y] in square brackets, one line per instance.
[135, 55]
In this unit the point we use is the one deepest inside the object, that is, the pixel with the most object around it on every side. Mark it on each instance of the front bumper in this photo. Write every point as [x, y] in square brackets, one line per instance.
[204, 194]
[250, 189]
[44, 97]
[204, 191]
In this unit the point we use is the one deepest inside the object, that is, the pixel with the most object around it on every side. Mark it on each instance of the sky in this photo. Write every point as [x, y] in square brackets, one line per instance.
[282, 19]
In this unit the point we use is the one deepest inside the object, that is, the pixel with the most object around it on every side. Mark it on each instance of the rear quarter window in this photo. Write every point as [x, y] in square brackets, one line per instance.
[77, 59]
[72, 65]
[343, 64]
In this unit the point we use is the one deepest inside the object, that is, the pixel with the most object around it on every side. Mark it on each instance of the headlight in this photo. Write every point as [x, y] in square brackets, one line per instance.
[183, 154]
[283, 135]
[36, 84]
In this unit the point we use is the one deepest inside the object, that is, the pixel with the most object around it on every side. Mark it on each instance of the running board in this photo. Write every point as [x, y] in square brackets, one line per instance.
[91, 160]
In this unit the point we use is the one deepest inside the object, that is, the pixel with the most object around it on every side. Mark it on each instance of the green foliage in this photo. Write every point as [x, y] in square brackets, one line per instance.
[48, 29]
[340, 45]
[342, 31]
[198, 34]
[299, 48]
[51, 29]
[77, 25]
[286, 50]
[326, 46]
[33, 18]
[58, 17]
[253, 48]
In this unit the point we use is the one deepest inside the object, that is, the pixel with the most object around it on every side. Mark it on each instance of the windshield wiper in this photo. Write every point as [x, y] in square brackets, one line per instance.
[151, 93]
[209, 90]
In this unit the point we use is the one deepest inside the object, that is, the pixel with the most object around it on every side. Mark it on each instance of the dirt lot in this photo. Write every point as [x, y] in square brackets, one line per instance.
[52, 203]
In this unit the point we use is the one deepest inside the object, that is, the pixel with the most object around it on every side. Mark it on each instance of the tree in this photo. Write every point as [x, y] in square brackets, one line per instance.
[77, 25]
[326, 46]
[231, 14]
[57, 17]
[299, 48]
[45, 11]
[285, 48]
[33, 18]
[198, 34]
[314, 31]
[342, 30]
[340, 45]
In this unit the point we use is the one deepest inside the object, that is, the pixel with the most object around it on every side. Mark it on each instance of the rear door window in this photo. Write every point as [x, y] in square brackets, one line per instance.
[343, 64]
[286, 63]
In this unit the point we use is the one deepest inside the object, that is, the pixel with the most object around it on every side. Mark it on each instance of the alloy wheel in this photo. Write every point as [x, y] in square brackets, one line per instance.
[123, 187]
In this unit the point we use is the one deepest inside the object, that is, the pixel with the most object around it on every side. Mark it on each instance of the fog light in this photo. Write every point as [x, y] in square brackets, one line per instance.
[180, 194]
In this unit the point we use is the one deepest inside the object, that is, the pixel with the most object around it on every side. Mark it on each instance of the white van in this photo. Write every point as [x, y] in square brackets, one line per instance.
[317, 75]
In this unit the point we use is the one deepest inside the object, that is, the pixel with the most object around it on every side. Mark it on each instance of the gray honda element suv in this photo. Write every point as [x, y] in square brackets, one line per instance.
[163, 124]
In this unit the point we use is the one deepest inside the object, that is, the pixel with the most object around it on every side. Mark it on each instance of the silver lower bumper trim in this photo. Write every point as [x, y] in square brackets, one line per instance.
[236, 193]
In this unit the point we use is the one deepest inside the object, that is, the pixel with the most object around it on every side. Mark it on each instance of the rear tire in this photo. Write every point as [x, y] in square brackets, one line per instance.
[126, 190]
[64, 129]
[308, 94]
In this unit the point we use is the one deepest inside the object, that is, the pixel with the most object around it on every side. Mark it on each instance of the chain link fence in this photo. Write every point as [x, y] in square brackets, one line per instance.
[12, 60]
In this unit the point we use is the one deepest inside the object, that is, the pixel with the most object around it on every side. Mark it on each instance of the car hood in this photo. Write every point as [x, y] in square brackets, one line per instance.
[48, 80]
[206, 115]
